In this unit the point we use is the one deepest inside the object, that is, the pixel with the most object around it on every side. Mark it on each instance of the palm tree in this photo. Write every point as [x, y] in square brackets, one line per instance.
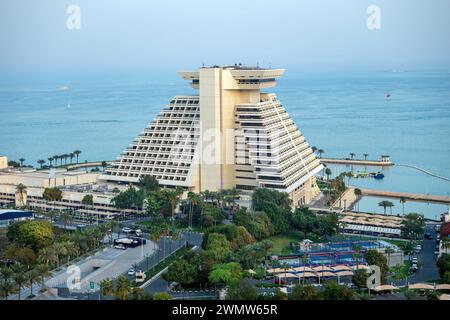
[314, 148]
[41, 163]
[328, 173]
[77, 153]
[106, 287]
[357, 254]
[123, 288]
[445, 243]
[403, 201]
[174, 199]
[388, 252]
[385, 204]
[20, 279]
[22, 160]
[65, 217]
[50, 159]
[60, 250]
[358, 194]
[71, 156]
[21, 189]
[320, 151]
[66, 156]
[71, 250]
[47, 255]
[32, 277]
[352, 155]
[6, 287]
[43, 272]
[365, 156]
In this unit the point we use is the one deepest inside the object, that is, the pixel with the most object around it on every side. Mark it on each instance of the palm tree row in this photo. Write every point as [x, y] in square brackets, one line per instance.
[14, 279]
[66, 156]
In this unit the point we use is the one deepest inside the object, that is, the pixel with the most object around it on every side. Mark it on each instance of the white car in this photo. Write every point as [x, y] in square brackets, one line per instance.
[131, 272]
[120, 246]
[436, 252]
[126, 230]
[414, 260]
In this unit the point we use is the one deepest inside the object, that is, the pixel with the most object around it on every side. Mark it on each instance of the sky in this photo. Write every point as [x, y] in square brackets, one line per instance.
[138, 35]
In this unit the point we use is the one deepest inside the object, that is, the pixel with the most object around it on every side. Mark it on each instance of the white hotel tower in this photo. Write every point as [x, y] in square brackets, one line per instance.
[230, 135]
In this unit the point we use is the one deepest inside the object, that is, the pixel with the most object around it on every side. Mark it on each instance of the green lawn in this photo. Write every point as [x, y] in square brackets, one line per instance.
[281, 242]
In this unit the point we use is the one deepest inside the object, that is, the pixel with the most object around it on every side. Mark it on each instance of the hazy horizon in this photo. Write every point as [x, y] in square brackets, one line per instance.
[120, 36]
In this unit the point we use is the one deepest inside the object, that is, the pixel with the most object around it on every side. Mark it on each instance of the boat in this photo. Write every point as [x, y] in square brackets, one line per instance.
[387, 96]
[377, 175]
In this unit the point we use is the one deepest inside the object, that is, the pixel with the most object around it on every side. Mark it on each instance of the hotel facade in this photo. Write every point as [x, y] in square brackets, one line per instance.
[230, 135]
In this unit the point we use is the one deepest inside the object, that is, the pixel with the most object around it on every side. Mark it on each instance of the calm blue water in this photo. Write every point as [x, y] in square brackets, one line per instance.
[101, 114]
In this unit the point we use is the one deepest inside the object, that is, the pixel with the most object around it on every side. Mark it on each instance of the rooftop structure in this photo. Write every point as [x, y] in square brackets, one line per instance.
[231, 135]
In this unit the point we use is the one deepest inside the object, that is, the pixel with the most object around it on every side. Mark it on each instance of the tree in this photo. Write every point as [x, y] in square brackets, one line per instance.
[32, 277]
[365, 156]
[71, 156]
[52, 194]
[41, 163]
[320, 151]
[400, 272]
[443, 264]
[182, 271]
[243, 290]
[6, 288]
[123, 288]
[162, 296]
[413, 225]
[106, 287]
[66, 218]
[21, 160]
[305, 292]
[358, 194]
[149, 184]
[88, 200]
[43, 271]
[359, 278]
[20, 279]
[21, 189]
[35, 233]
[328, 173]
[352, 155]
[50, 160]
[374, 257]
[403, 201]
[218, 247]
[386, 204]
[333, 291]
[228, 273]
[129, 199]
[77, 153]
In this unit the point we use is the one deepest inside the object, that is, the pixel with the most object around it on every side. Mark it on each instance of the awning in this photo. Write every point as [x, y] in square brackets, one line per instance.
[421, 286]
[341, 268]
[361, 267]
[302, 269]
[386, 287]
[443, 286]
[322, 268]
[286, 275]
[344, 273]
[326, 274]
[306, 275]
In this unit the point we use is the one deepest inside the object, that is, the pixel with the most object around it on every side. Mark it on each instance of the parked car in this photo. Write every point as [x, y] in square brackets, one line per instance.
[414, 267]
[428, 236]
[436, 252]
[120, 246]
[126, 230]
[414, 260]
[131, 272]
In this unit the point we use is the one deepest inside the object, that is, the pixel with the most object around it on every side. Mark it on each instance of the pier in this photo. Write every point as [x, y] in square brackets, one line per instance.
[375, 163]
[407, 196]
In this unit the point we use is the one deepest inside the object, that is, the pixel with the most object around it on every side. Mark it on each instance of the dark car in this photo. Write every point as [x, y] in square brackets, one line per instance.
[428, 236]
[279, 281]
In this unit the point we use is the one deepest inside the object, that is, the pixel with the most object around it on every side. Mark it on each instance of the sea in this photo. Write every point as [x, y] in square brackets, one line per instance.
[42, 115]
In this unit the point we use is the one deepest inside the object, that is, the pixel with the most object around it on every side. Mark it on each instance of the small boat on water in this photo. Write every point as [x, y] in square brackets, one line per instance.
[387, 96]
[377, 175]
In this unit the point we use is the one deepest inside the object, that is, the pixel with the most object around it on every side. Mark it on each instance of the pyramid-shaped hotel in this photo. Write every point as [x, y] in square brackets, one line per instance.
[230, 135]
